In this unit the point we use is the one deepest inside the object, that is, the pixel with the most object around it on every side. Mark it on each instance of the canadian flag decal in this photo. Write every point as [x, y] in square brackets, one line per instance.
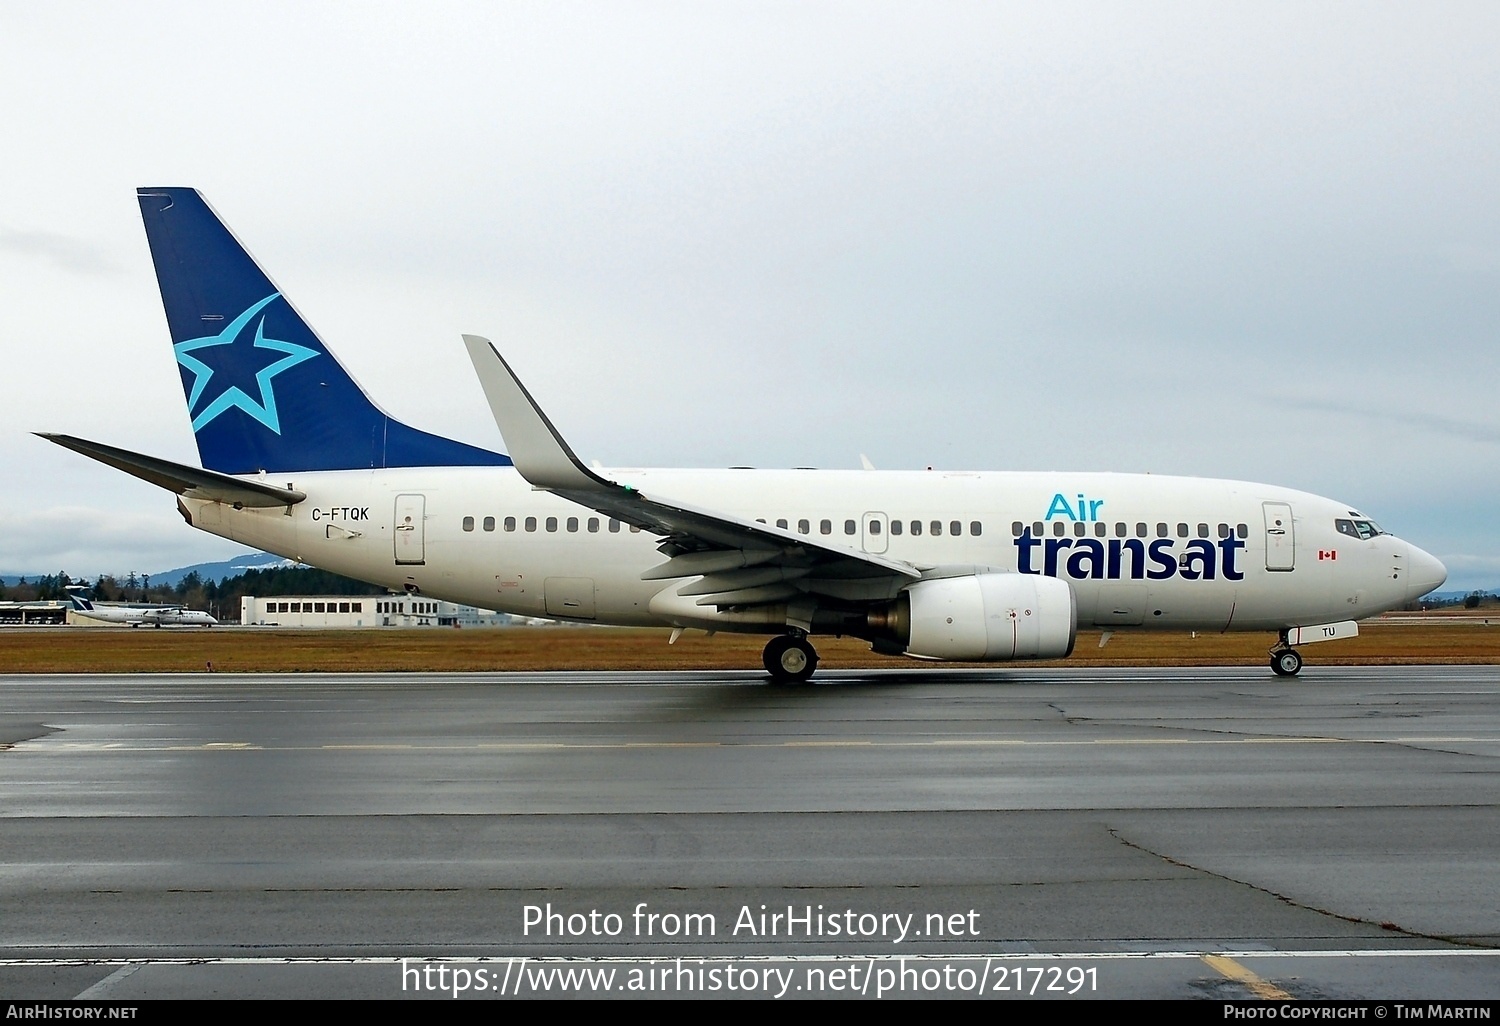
[1328, 553]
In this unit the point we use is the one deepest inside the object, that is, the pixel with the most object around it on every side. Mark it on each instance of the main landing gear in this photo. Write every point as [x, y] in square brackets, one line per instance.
[790, 659]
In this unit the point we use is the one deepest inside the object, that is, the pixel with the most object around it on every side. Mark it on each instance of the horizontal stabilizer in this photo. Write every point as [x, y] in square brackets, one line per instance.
[187, 481]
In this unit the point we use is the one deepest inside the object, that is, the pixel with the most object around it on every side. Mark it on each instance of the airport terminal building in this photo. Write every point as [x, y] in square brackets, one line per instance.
[33, 614]
[331, 611]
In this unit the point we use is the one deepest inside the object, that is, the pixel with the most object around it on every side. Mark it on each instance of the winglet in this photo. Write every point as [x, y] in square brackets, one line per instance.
[537, 450]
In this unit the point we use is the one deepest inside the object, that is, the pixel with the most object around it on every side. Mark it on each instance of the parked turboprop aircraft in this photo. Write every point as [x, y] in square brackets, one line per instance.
[934, 565]
[135, 616]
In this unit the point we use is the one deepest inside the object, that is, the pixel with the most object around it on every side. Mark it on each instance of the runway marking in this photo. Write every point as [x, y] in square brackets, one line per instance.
[1263, 989]
[99, 989]
[47, 746]
[1004, 956]
[359, 748]
[847, 744]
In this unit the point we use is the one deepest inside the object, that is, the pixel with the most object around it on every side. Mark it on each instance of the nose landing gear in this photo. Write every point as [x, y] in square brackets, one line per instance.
[790, 659]
[1285, 661]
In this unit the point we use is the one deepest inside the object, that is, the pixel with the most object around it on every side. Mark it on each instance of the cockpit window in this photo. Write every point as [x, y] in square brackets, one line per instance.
[1361, 529]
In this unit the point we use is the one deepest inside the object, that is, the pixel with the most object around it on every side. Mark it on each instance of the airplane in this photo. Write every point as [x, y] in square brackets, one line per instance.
[135, 616]
[985, 567]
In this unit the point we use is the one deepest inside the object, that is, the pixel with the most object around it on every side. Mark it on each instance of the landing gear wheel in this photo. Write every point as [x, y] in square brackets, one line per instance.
[789, 659]
[1286, 662]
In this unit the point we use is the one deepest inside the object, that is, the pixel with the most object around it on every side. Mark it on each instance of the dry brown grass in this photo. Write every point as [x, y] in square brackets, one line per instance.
[120, 650]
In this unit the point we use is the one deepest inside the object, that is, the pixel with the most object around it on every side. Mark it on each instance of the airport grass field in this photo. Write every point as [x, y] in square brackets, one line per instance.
[1433, 640]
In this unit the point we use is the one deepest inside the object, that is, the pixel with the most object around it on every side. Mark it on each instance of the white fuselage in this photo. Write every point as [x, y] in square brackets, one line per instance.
[1138, 550]
[152, 616]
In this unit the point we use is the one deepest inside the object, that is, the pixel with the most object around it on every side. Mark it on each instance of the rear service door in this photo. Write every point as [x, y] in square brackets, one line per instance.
[411, 543]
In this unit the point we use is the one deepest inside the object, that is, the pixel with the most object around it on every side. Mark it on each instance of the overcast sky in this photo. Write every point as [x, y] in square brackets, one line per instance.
[1256, 241]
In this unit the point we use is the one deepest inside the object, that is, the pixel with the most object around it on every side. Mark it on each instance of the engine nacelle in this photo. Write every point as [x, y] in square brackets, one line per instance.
[991, 617]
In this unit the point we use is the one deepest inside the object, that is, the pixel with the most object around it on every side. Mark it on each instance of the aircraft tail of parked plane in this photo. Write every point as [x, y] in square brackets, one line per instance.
[984, 567]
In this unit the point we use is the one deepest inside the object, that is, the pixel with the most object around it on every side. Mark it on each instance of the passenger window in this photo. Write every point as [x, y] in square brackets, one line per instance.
[531, 523]
[1036, 529]
[1202, 530]
[572, 525]
[825, 526]
[551, 523]
[896, 527]
[1017, 528]
[614, 526]
[850, 527]
[1161, 530]
[1058, 528]
[1223, 530]
[1100, 529]
[804, 527]
[1080, 529]
[489, 523]
[510, 523]
[634, 529]
[593, 525]
[1140, 530]
[760, 520]
[1242, 530]
[781, 524]
[874, 526]
[955, 527]
[976, 528]
[1182, 530]
[916, 528]
[935, 528]
[468, 523]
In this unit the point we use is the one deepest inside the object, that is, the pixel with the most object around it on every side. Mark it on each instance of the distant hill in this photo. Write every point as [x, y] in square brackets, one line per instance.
[225, 568]
[232, 567]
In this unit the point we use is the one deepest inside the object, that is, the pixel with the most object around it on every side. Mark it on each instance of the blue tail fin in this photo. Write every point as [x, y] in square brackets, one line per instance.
[263, 392]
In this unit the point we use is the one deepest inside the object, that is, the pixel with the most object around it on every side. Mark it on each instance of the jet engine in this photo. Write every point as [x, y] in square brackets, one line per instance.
[982, 617]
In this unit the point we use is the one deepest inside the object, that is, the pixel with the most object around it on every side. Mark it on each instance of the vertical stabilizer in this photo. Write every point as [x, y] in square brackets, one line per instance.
[263, 391]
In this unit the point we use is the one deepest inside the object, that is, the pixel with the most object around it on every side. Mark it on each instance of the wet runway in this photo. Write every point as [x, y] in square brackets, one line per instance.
[1182, 832]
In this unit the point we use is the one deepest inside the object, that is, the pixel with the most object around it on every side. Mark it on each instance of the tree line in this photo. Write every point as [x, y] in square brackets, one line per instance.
[220, 598]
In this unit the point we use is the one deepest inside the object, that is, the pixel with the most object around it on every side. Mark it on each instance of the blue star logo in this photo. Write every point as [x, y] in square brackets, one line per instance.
[236, 358]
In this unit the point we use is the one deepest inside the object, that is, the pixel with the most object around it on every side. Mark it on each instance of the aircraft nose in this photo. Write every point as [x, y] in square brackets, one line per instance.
[1425, 573]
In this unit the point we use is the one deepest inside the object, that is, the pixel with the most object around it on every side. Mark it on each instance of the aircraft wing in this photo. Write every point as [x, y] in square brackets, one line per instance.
[744, 562]
[192, 482]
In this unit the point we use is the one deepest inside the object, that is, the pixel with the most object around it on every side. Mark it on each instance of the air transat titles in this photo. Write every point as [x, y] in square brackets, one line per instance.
[1117, 559]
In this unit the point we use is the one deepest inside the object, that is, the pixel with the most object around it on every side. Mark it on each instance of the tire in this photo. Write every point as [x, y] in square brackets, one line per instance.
[789, 659]
[1286, 663]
